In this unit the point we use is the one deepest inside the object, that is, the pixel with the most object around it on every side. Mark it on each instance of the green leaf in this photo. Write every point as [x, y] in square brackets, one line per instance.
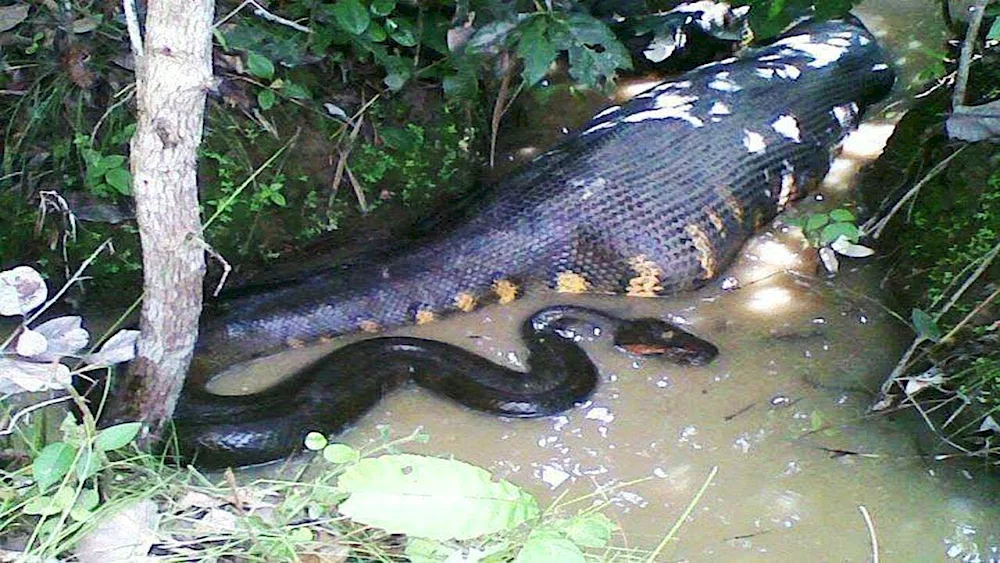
[815, 221]
[590, 530]
[925, 325]
[842, 215]
[41, 506]
[117, 436]
[52, 464]
[834, 230]
[296, 91]
[463, 85]
[420, 550]
[120, 179]
[259, 65]
[383, 7]
[401, 31]
[376, 32]
[278, 199]
[545, 550]
[351, 15]
[432, 498]
[315, 441]
[266, 99]
[395, 80]
[84, 506]
[398, 139]
[536, 51]
[994, 32]
[341, 453]
[111, 162]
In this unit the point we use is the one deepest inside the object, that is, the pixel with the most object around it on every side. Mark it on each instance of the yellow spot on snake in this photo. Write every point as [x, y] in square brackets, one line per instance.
[646, 282]
[571, 282]
[734, 206]
[717, 222]
[706, 254]
[506, 290]
[787, 189]
[295, 343]
[425, 316]
[465, 302]
[369, 326]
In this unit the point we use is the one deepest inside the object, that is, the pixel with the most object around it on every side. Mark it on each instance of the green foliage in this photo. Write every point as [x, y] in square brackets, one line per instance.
[821, 229]
[951, 229]
[106, 173]
[770, 17]
[68, 476]
[417, 162]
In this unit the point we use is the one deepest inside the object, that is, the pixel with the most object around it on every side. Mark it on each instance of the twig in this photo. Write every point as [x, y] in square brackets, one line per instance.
[687, 512]
[127, 93]
[260, 12]
[358, 191]
[226, 268]
[73, 279]
[965, 59]
[356, 120]
[498, 107]
[134, 32]
[871, 531]
[875, 227]
[28, 410]
[987, 260]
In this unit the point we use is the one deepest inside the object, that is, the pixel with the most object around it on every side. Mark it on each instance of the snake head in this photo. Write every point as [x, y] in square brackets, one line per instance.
[655, 337]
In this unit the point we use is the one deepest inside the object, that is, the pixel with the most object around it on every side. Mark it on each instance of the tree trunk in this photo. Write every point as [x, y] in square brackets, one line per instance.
[172, 77]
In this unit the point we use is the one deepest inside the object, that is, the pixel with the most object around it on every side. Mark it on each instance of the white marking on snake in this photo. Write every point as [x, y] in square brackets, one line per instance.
[669, 106]
[719, 108]
[822, 53]
[788, 126]
[754, 142]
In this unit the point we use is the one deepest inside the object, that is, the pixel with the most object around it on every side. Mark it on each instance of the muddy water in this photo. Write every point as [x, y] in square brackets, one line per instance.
[781, 414]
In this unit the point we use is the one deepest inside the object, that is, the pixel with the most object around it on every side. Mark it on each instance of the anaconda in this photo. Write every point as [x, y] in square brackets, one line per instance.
[650, 197]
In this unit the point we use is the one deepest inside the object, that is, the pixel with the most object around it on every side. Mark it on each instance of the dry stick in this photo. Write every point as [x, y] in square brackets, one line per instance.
[260, 12]
[498, 108]
[875, 227]
[987, 260]
[356, 120]
[128, 92]
[871, 531]
[965, 59]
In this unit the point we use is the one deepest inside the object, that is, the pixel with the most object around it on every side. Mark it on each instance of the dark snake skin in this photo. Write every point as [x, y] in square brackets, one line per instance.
[648, 198]
[215, 431]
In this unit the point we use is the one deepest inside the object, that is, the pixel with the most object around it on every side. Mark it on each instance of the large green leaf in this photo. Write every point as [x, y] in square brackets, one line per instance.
[117, 436]
[536, 50]
[432, 498]
[351, 15]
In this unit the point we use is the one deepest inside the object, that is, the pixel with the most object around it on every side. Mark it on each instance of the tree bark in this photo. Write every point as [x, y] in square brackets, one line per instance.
[172, 78]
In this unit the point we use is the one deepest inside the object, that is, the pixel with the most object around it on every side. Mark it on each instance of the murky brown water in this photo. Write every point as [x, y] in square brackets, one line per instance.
[800, 358]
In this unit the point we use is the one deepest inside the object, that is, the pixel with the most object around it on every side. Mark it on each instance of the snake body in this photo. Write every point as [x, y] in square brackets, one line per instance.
[649, 197]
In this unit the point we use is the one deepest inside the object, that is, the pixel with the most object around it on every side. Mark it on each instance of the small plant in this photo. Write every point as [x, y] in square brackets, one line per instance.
[58, 493]
[106, 174]
[832, 232]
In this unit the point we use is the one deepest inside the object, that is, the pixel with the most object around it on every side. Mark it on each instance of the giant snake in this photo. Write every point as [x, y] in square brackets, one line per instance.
[648, 198]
